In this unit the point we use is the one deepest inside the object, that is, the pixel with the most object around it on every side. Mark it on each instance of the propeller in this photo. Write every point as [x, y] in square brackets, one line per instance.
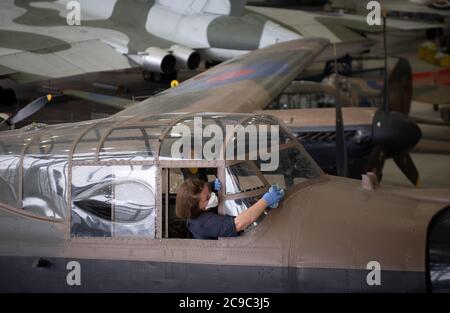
[341, 149]
[407, 166]
[386, 78]
[394, 133]
[375, 161]
[28, 110]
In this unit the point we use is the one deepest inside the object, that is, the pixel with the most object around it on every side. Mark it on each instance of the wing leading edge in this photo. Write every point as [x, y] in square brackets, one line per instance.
[244, 84]
[98, 57]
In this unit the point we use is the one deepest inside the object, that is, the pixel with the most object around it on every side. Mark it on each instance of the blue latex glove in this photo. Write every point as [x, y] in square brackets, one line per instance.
[273, 196]
[217, 185]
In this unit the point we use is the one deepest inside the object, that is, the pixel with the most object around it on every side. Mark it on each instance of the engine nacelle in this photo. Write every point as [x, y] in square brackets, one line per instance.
[186, 57]
[156, 60]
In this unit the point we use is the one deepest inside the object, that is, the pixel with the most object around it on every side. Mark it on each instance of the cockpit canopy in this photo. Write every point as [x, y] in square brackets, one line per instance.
[38, 167]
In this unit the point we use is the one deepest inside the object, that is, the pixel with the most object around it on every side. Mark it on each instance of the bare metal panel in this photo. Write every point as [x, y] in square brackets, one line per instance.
[45, 172]
[11, 148]
[113, 201]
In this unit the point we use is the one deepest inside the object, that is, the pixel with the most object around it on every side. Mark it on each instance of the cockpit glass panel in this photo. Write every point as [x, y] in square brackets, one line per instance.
[283, 136]
[131, 143]
[294, 167]
[166, 118]
[45, 171]
[202, 137]
[113, 201]
[199, 138]
[271, 151]
[242, 178]
[56, 142]
[87, 146]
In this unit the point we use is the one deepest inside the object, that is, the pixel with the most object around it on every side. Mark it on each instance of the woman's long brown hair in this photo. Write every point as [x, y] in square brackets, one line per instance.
[188, 198]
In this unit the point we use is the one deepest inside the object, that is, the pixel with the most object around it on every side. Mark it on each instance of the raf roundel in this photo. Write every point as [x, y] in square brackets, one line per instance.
[233, 73]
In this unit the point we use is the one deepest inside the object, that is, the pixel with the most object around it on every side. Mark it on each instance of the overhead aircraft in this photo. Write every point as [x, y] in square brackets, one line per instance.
[280, 3]
[90, 206]
[365, 155]
[419, 10]
[38, 42]
[418, 7]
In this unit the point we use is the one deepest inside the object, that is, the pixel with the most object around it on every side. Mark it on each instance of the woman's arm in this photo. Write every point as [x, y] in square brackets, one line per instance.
[243, 220]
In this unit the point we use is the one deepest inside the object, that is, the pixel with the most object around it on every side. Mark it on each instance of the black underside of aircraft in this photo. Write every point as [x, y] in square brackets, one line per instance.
[321, 145]
[391, 135]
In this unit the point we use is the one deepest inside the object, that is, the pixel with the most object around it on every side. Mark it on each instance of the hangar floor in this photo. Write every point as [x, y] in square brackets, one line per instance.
[434, 171]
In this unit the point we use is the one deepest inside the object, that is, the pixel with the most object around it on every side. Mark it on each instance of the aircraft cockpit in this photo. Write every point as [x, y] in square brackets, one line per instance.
[118, 177]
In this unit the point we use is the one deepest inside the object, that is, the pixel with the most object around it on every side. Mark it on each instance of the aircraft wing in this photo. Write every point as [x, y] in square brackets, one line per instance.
[112, 101]
[194, 7]
[4, 71]
[359, 23]
[57, 62]
[308, 25]
[244, 84]
[338, 28]
[408, 7]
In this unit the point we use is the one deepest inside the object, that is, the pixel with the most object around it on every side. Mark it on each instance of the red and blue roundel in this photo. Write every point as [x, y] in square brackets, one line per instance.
[232, 74]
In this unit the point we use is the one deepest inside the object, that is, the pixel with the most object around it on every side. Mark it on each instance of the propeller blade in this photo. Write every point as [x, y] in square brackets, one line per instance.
[3, 119]
[30, 109]
[407, 166]
[386, 106]
[396, 132]
[375, 161]
[400, 78]
[341, 149]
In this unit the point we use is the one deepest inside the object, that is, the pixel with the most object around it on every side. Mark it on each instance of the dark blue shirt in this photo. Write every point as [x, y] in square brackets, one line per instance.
[209, 225]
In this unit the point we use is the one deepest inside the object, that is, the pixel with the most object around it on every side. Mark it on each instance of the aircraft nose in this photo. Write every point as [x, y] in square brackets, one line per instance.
[395, 132]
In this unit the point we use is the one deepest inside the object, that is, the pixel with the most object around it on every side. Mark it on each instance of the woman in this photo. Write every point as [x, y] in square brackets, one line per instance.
[194, 199]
